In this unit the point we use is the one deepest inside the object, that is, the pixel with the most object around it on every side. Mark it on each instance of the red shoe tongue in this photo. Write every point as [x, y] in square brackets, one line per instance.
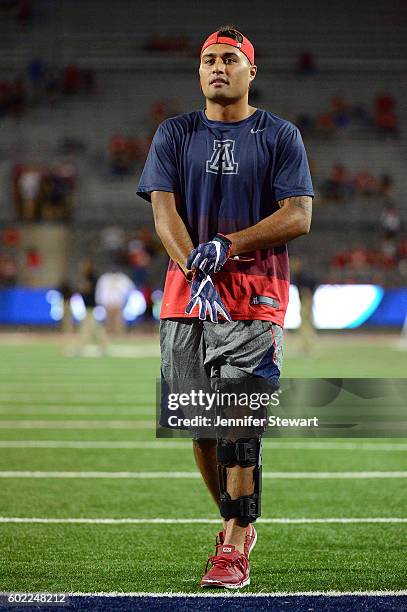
[226, 549]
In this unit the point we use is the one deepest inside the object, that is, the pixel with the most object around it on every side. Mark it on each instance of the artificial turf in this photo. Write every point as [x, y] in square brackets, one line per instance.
[38, 383]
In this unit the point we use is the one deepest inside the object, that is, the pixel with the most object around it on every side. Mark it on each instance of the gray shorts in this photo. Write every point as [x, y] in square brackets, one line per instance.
[193, 350]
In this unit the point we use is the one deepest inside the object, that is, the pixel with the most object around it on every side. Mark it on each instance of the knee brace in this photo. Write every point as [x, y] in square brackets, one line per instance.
[245, 452]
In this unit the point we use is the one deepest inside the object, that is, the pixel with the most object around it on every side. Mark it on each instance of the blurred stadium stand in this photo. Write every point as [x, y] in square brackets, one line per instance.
[360, 50]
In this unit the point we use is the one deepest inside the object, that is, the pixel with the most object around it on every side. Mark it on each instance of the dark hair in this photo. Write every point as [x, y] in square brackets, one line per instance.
[230, 31]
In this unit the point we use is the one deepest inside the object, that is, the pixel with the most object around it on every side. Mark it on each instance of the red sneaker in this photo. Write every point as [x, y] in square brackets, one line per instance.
[230, 569]
[249, 543]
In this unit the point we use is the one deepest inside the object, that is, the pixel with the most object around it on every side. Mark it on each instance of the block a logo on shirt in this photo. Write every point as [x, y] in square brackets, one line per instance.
[222, 158]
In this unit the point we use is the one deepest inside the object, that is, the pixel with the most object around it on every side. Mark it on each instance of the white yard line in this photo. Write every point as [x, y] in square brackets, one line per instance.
[199, 521]
[245, 594]
[75, 424]
[46, 383]
[90, 410]
[281, 594]
[158, 444]
[191, 475]
[31, 398]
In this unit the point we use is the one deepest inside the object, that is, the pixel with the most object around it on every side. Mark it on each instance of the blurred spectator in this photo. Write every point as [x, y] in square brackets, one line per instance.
[8, 270]
[340, 112]
[71, 80]
[325, 126]
[29, 185]
[341, 184]
[403, 249]
[139, 261]
[112, 240]
[120, 155]
[45, 192]
[41, 84]
[66, 291]
[306, 284]
[386, 183]
[385, 119]
[161, 110]
[384, 103]
[342, 116]
[89, 328]
[338, 186]
[365, 184]
[57, 195]
[390, 220]
[306, 63]
[388, 253]
[112, 291]
[359, 263]
[36, 70]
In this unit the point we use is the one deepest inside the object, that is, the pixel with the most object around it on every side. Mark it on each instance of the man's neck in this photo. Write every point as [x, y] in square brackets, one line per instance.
[235, 111]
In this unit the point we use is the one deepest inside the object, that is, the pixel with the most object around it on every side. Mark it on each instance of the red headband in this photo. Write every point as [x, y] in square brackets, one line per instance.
[245, 46]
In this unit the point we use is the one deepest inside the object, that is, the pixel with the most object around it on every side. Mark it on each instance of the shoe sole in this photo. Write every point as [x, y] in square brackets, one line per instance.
[220, 585]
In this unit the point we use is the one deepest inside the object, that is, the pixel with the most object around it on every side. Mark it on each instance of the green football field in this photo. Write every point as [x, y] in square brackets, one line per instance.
[109, 508]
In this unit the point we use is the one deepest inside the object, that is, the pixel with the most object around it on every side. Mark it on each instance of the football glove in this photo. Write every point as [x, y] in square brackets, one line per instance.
[206, 297]
[210, 256]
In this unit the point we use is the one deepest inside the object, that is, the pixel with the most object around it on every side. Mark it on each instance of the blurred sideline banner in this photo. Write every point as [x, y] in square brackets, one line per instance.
[334, 307]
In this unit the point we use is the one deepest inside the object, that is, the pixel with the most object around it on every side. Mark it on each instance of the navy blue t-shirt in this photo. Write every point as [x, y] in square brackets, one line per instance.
[229, 177]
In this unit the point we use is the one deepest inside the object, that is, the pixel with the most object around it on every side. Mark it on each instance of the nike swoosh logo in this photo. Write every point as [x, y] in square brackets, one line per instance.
[252, 131]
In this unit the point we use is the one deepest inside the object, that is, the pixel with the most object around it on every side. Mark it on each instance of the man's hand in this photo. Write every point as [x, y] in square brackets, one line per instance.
[204, 294]
[210, 256]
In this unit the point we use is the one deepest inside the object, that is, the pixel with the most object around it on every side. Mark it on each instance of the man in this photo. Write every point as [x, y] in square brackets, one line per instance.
[233, 182]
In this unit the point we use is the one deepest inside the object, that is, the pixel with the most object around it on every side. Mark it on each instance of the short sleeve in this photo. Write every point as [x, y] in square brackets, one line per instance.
[291, 176]
[160, 170]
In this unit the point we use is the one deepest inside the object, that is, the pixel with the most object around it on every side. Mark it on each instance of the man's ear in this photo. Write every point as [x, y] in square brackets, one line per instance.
[253, 72]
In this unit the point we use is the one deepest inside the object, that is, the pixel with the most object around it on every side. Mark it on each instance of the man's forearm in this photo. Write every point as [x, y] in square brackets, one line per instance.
[292, 220]
[171, 229]
[176, 241]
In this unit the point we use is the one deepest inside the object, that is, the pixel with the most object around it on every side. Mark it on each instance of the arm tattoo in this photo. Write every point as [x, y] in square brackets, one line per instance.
[304, 202]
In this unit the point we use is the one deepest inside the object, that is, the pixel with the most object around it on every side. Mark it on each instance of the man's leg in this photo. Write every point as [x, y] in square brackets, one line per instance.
[239, 469]
[239, 483]
[205, 457]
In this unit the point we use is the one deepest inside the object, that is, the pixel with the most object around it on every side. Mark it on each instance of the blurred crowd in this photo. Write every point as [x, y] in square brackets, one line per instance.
[43, 84]
[44, 193]
[343, 184]
[126, 153]
[342, 116]
[374, 261]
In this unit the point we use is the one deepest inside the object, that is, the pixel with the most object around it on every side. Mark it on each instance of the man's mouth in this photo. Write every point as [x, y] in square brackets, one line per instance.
[218, 81]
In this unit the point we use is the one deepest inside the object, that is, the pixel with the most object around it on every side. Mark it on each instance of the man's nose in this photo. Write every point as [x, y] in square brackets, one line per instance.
[218, 66]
